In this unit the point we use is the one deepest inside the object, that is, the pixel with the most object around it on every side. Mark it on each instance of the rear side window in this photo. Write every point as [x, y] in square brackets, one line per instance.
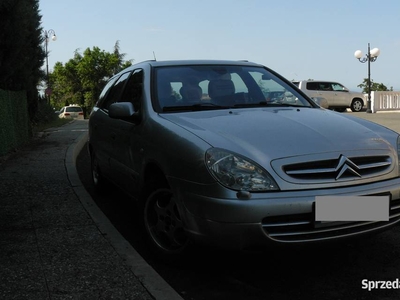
[73, 109]
[312, 86]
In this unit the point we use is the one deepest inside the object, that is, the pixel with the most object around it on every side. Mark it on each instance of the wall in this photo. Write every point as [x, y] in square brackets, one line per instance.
[385, 101]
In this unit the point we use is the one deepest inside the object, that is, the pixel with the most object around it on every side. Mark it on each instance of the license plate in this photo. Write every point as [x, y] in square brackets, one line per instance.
[351, 209]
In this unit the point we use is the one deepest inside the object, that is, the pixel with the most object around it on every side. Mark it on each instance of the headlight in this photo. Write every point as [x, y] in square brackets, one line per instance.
[237, 173]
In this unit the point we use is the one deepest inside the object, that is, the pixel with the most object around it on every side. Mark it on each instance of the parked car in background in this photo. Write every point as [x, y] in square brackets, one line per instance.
[337, 95]
[71, 112]
[210, 160]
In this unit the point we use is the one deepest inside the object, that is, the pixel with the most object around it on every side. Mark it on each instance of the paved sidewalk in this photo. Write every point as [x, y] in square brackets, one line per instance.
[390, 120]
[54, 241]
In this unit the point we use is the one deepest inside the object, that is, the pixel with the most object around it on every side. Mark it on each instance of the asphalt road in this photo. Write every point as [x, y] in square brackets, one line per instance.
[334, 271]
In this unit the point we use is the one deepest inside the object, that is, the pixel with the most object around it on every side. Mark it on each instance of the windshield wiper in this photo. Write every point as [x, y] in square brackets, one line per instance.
[287, 105]
[258, 104]
[194, 107]
[265, 103]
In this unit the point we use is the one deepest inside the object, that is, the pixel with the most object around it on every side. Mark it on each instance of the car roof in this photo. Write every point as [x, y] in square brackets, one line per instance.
[72, 106]
[315, 80]
[165, 63]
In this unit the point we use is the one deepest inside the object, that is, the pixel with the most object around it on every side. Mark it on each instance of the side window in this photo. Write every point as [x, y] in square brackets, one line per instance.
[312, 86]
[338, 87]
[325, 86]
[134, 89]
[105, 91]
[115, 92]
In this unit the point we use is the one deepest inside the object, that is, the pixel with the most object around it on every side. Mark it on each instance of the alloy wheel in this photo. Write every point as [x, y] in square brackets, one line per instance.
[163, 222]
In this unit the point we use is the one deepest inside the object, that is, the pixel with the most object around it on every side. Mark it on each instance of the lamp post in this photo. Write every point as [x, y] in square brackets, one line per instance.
[371, 56]
[47, 34]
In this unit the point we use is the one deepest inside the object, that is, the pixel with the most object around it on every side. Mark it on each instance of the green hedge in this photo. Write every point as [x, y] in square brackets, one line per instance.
[14, 120]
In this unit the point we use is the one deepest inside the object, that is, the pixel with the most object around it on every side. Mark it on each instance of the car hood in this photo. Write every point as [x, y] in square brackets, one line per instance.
[267, 133]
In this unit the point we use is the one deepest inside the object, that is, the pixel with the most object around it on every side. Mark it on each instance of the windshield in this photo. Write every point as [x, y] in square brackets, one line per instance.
[206, 87]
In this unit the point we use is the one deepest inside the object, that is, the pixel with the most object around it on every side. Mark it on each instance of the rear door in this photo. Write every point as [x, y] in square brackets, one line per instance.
[312, 89]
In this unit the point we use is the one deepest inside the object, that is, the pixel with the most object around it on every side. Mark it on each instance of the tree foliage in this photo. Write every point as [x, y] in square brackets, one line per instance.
[21, 48]
[374, 86]
[82, 78]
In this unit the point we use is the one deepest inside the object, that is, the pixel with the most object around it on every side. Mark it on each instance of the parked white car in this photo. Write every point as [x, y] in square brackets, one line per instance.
[337, 95]
[71, 112]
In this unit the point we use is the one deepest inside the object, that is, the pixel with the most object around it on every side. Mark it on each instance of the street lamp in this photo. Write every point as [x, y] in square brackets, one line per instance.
[47, 34]
[371, 56]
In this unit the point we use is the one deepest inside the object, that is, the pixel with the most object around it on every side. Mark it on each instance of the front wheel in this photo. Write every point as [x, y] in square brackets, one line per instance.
[340, 109]
[356, 105]
[99, 182]
[164, 226]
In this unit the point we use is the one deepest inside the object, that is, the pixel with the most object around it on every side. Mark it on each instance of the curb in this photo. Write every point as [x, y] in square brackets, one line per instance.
[150, 279]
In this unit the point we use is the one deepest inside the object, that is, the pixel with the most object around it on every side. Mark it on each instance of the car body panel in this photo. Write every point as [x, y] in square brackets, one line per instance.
[304, 128]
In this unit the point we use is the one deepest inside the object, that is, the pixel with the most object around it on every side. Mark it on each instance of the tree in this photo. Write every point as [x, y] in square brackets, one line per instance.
[82, 78]
[374, 86]
[21, 51]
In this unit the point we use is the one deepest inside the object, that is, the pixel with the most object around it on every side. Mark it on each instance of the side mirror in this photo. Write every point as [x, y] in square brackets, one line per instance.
[124, 111]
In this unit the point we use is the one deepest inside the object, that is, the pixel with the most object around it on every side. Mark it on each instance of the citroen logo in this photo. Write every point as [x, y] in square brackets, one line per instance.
[346, 165]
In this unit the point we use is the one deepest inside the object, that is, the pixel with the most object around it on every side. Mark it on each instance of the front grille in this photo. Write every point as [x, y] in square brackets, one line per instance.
[301, 227]
[339, 169]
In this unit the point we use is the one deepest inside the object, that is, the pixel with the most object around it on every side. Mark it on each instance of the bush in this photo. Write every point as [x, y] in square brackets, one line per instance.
[44, 114]
[14, 120]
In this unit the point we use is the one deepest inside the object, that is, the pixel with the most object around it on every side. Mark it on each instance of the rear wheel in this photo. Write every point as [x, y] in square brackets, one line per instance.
[164, 226]
[356, 105]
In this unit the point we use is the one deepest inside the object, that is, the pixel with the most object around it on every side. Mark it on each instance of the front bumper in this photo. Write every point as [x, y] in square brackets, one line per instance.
[284, 217]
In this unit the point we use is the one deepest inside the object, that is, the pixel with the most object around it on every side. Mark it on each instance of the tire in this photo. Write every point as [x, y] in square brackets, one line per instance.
[99, 182]
[356, 105]
[164, 227]
[340, 109]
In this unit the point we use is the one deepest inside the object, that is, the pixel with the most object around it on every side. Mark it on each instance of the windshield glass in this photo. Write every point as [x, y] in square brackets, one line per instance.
[199, 87]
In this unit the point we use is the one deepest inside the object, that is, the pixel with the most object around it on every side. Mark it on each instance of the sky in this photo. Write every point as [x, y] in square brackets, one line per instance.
[308, 39]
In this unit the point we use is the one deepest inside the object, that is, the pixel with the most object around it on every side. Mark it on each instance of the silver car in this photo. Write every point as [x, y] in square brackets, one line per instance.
[210, 160]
